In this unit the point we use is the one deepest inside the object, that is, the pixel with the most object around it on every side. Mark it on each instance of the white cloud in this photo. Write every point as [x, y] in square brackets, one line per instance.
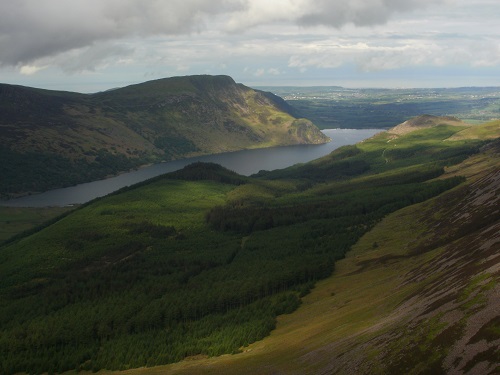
[358, 12]
[96, 56]
[273, 71]
[333, 13]
[28, 70]
[259, 72]
[384, 52]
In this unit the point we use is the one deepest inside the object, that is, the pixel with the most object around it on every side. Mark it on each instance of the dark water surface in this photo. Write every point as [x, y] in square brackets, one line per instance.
[244, 162]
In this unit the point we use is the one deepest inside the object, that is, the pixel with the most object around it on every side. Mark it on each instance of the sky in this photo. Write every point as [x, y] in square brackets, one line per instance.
[95, 45]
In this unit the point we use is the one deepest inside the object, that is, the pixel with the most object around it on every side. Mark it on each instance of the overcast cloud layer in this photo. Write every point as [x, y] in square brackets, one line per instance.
[54, 43]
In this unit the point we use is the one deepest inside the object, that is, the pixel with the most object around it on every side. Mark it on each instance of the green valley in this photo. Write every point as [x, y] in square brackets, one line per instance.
[347, 262]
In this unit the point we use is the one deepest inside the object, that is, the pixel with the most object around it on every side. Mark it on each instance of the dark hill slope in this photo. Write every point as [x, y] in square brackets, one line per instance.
[66, 138]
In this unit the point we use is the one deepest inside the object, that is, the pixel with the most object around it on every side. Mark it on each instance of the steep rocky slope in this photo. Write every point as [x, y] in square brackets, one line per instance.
[447, 320]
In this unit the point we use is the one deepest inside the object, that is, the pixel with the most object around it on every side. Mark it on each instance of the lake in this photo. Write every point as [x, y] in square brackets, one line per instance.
[244, 162]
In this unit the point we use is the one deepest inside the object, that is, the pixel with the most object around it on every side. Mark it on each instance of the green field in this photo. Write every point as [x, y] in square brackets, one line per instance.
[201, 262]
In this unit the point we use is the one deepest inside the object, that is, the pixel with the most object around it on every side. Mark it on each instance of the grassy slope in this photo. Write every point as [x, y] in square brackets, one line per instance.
[423, 122]
[158, 120]
[489, 130]
[15, 220]
[203, 114]
[183, 204]
[400, 300]
[185, 208]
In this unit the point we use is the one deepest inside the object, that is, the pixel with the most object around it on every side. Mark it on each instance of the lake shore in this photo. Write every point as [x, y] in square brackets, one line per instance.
[245, 162]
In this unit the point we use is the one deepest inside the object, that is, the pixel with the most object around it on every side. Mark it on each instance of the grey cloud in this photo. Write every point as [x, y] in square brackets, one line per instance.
[93, 57]
[338, 13]
[33, 29]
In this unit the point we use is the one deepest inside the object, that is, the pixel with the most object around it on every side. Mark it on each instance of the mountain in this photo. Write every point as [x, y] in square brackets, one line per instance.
[378, 258]
[53, 138]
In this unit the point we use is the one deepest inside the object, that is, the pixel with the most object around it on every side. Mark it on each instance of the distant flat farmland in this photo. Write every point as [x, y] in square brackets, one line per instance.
[338, 107]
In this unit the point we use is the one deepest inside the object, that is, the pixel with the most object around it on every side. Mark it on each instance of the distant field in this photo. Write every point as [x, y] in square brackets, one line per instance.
[338, 107]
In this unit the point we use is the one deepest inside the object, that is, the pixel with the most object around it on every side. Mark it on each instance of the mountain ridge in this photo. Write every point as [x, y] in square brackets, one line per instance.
[108, 132]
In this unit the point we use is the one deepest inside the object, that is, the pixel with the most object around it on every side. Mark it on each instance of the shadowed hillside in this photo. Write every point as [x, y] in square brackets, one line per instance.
[52, 138]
